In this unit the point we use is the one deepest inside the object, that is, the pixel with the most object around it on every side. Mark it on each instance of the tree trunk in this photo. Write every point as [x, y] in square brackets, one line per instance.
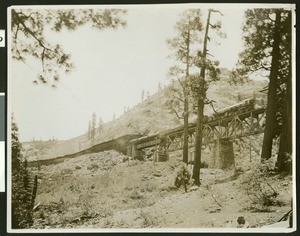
[186, 132]
[271, 105]
[198, 142]
[200, 110]
[285, 147]
[186, 104]
[34, 190]
[286, 136]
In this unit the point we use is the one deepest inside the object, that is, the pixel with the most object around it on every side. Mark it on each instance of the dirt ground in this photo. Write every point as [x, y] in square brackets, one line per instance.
[106, 190]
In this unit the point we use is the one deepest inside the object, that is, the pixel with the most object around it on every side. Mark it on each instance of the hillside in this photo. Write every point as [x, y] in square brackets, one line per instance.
[108, 190]
[145, 118]
[100, 190]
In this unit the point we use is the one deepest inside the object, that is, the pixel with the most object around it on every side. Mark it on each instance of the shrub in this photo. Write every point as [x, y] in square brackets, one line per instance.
[203, 164]
[149, 220]
[237, 172]
[183, 177]
[258, 189]
[125, 158]
[66, 171]
[135, 194]
[93, 166]
[77, 167]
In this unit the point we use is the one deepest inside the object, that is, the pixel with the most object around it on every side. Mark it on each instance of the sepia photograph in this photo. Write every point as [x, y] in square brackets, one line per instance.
[151, 118]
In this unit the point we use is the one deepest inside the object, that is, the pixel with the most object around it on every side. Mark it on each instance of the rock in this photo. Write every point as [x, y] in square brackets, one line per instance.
[157, 174]
[193, 188]
[239, 222]
[215, 210]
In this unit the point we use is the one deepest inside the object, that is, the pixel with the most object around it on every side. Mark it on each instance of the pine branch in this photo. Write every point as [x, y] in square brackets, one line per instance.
[212, 106]
[41, 43]
[181, 84]
[178, 98]
[176, 113]
[217, 11]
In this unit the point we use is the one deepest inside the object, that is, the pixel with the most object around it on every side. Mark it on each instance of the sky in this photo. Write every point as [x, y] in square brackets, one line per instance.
[112, 67]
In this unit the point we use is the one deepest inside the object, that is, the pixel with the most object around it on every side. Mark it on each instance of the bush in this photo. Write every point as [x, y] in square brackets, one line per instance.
[135, 194]
[203, 164]
[66, 171]
[93, 167]
[258, 189]
[183, 177]
[149, 220]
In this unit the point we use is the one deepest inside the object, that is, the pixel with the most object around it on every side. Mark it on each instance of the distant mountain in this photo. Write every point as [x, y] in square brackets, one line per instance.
[147, 117]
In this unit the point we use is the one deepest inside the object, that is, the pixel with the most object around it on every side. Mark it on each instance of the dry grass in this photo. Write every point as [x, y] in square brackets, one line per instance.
[78, 194]
[139, 194]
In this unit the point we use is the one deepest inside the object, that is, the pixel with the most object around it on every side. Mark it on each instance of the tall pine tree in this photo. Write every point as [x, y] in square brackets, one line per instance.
[209, 72]
[267, 40]
[187, 28]
[22, 202]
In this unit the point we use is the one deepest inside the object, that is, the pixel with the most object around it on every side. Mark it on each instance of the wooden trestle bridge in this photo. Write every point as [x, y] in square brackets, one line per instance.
[241, 120]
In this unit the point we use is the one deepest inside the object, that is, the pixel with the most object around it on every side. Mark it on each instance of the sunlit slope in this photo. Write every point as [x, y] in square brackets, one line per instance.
[147, 117]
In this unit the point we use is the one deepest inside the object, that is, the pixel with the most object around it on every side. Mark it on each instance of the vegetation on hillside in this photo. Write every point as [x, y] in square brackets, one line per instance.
[112, 190]
[23, 195]
[108, 190]
[148, 117]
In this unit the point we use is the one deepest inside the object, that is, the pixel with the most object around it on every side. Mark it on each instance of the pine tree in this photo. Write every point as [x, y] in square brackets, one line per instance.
[21, 206]
[29, 24]
[143, 95]
[285, 76]
[89, 132]
[267, 37]
[100, 124]
[93, 126]
[209, 71]
[187, 27]
[16, 146]
[159, 87]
